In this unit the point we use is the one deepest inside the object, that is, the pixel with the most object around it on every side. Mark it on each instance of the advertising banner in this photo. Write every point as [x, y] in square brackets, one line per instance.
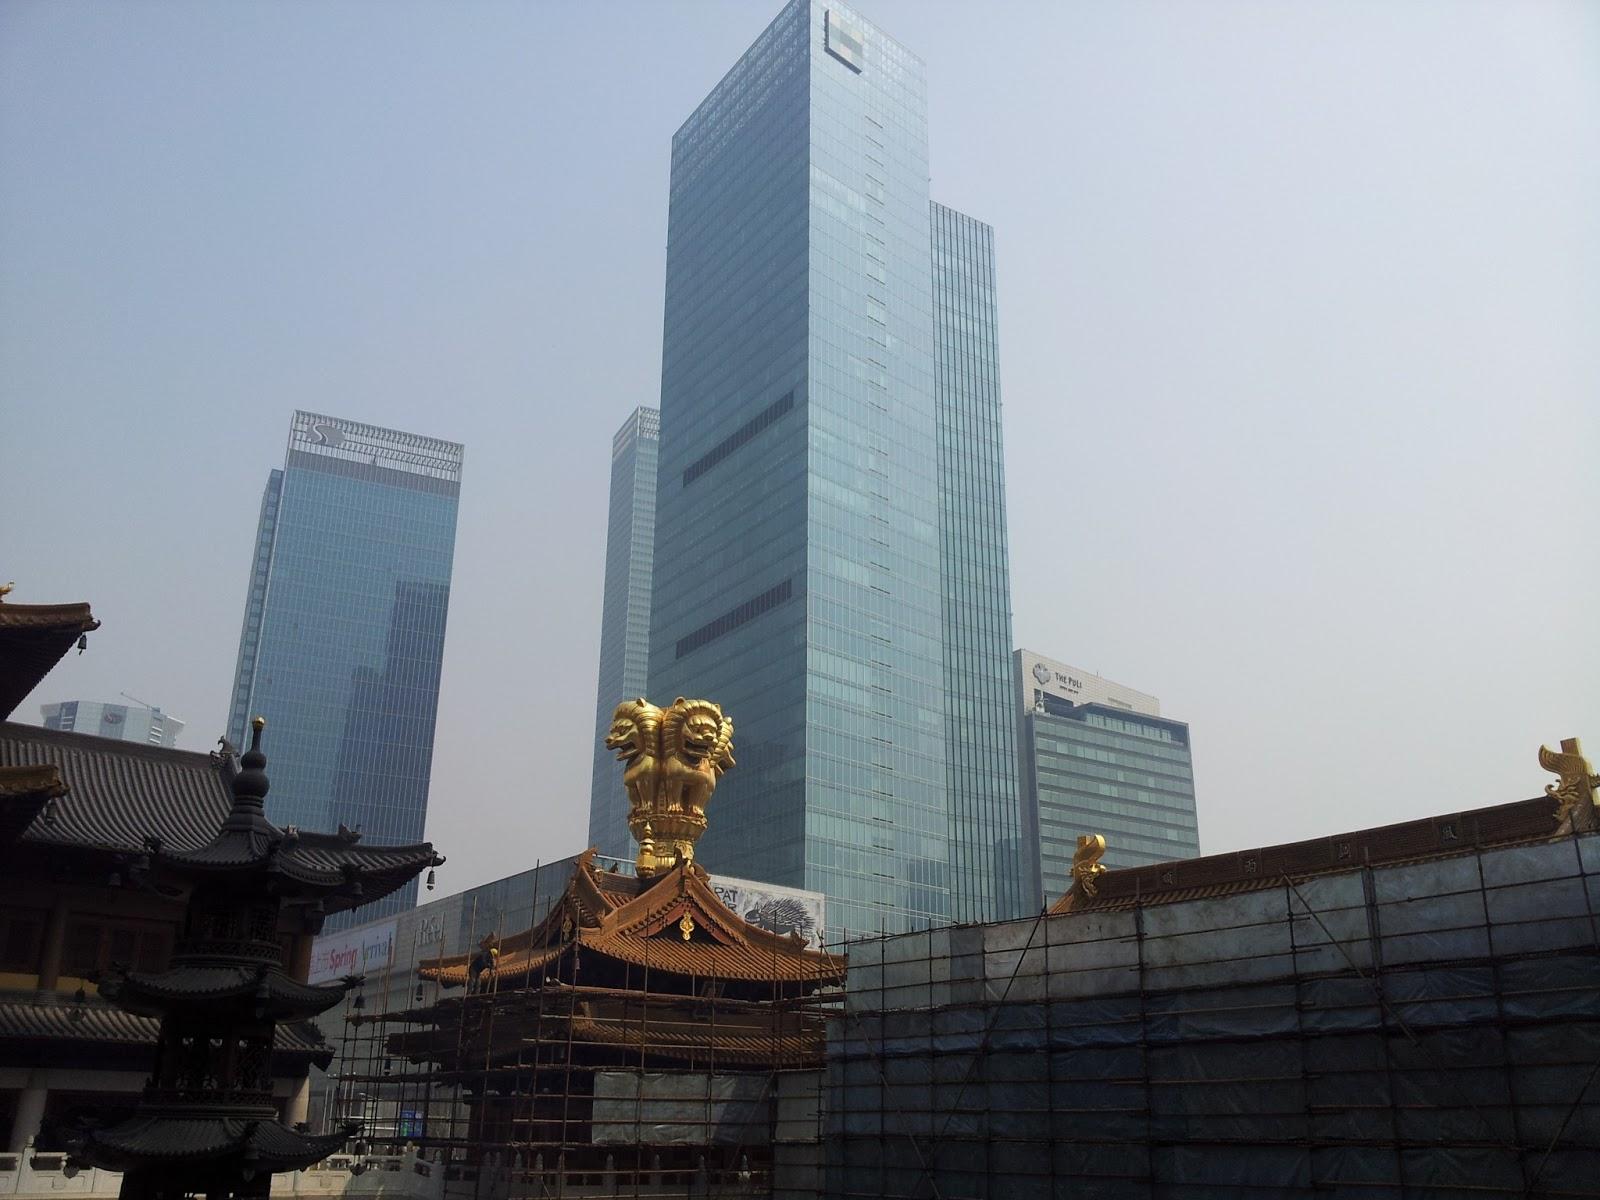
[356, 952]
[779, 909]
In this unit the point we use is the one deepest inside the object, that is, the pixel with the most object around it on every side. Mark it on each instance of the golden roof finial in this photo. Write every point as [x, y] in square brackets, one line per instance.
[1574, 789]
[5, 589]
[1086, 867]
[673, 758]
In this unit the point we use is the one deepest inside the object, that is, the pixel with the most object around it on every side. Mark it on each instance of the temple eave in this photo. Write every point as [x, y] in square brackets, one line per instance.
[205, 1143]
[271, 995]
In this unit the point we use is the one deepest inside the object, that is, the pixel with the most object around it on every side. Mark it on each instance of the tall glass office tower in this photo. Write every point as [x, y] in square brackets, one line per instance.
[344, 626]
[988, 864]
[812, 540]
[625, 616]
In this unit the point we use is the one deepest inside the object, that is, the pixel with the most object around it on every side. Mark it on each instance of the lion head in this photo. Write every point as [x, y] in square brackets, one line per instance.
[633, 729]
[704, 735]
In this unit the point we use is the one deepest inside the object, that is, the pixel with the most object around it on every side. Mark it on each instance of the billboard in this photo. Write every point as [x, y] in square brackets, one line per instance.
[778, 909]
[355, 952]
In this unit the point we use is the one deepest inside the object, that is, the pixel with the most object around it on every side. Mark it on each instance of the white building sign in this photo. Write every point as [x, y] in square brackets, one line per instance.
[1037, 675]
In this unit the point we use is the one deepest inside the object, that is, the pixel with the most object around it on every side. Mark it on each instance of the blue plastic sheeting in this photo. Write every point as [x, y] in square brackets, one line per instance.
[1407, 1068]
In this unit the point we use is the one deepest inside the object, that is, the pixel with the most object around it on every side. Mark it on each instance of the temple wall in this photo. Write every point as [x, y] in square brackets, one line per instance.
[46, 1176]
[1428, 1029]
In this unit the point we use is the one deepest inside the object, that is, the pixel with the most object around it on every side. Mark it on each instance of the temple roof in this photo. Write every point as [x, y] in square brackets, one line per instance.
[758, 1038]
[333, 868]
[33, 638]
[186, 985]
[1267, 866]
[642, 922]
[318, 861]
[119, 792]
[33, 1021]
[25, 791]
[160, 1139]
[686, 1030]
[119, 796]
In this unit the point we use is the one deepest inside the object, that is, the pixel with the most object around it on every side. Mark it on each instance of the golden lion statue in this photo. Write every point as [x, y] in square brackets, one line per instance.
[674, 758]
[636, 737]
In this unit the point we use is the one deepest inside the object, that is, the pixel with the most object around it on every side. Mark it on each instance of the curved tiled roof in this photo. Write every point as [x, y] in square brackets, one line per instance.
[34, 1020]
[799, 1048]
[511, 968]
[24, 793]
[33, 637]
[318, 861]
[119, 792]
[330, 868]
[490, 1029]
[638, 922]
[160, 1138]
[277, 995]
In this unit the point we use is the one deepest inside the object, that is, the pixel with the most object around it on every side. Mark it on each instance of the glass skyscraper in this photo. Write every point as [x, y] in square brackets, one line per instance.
[344, 628]
[625, 616]
[986, 863]
[830, 557]
[1097, 757]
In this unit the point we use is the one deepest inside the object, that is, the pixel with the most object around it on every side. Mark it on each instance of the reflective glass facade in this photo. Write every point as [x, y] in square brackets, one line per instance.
[625, 616]
[1093, 768]
[986, 866]
[344, 627]
[799, 557]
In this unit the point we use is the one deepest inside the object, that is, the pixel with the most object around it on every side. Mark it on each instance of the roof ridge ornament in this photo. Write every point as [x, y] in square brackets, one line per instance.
[674, 758]
[1574, 789]
[250, 783]
[1086, 865]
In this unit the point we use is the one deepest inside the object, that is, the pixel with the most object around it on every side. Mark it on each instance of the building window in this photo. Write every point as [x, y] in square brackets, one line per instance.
[739, 437]
[94, 943]
[729, 621]
[66, 1111]
[844, 41]
[21, 936]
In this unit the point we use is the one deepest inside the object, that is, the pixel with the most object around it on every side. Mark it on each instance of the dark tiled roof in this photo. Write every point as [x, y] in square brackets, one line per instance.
[1267, 866]
[31, 1020]
[318, 860]
[163, 1139]
[33, 637]
[275, 994]
[24, 792]
[342, 873]
[118, 792]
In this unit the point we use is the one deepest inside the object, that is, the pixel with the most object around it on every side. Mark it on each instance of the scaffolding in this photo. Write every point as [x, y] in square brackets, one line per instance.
[1422, 1030]
[577, 1081]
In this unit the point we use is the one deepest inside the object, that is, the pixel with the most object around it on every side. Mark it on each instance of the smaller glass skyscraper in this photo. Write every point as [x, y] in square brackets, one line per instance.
[343, 636]
[1097, 757]
[625, 616]
[125, 722]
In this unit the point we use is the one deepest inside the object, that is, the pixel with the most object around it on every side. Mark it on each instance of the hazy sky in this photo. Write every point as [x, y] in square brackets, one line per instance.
[1300, 327]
